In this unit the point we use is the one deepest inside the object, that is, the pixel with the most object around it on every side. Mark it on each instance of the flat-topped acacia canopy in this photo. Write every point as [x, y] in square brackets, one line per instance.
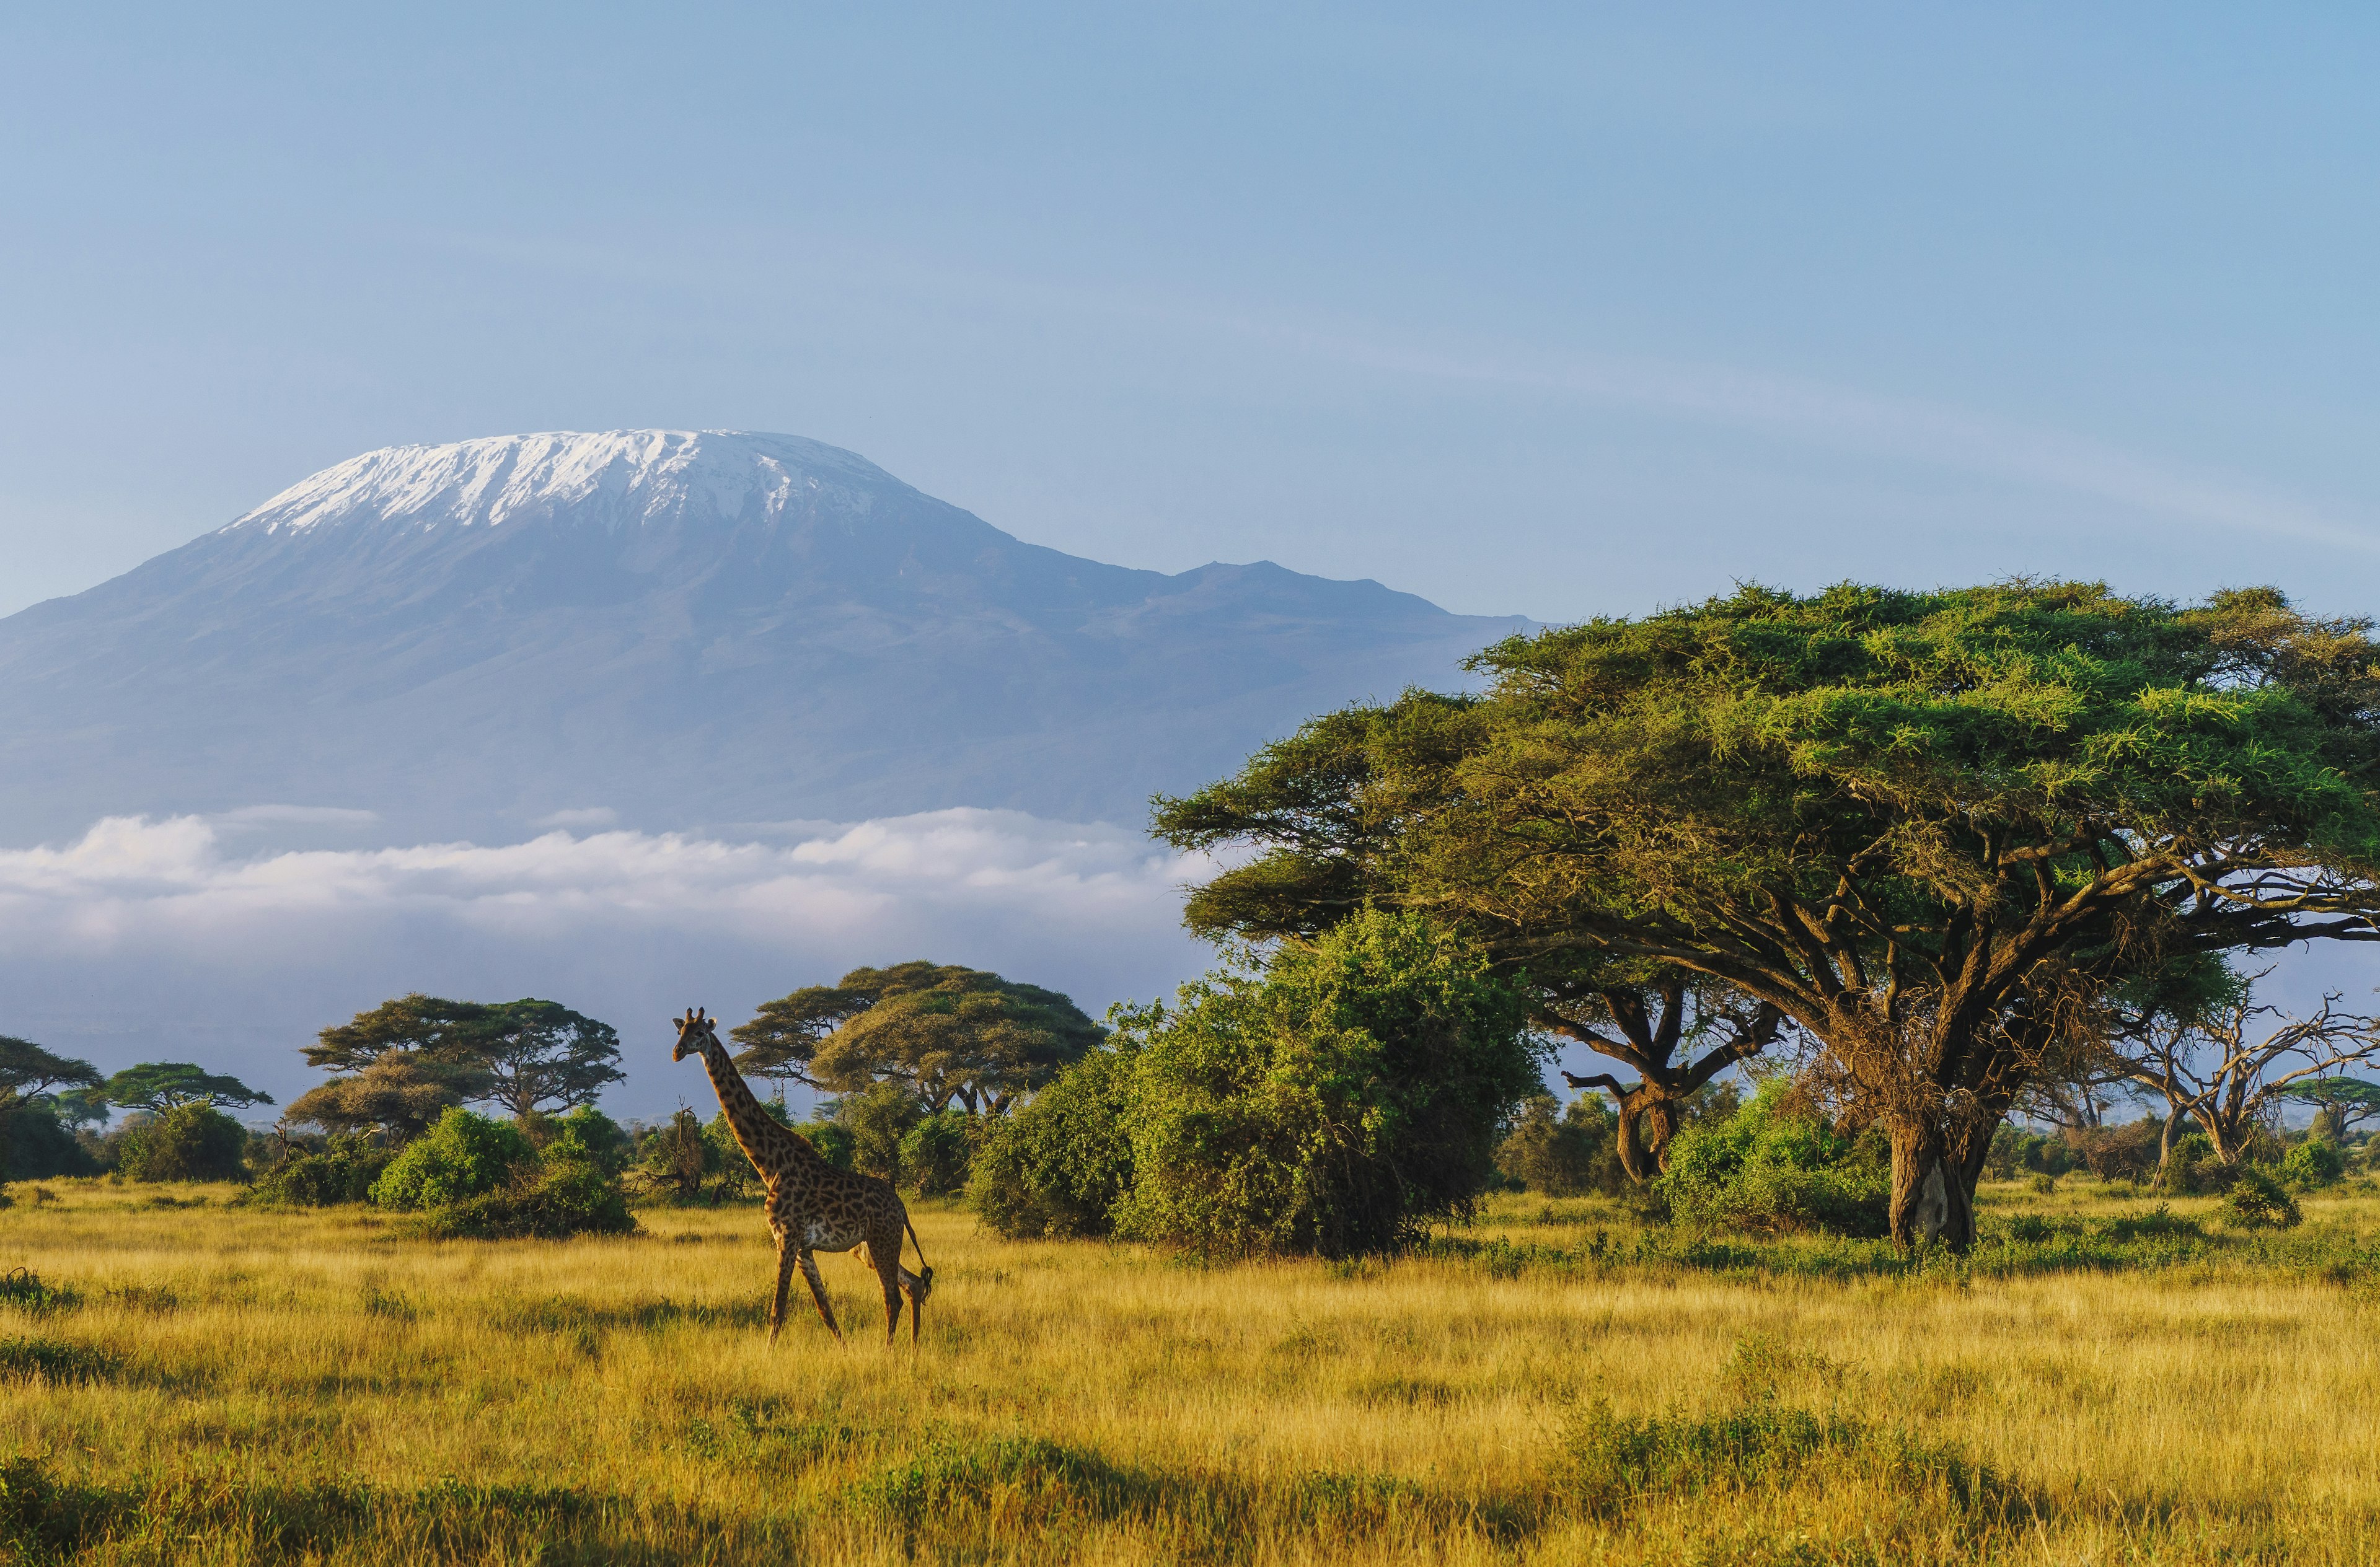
[1919, 824]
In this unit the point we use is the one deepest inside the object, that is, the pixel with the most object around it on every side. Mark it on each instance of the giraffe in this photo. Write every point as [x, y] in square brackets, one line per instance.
[812, 1205]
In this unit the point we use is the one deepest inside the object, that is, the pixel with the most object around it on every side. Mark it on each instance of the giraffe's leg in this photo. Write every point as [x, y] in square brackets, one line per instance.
[888, 1272]
[818, 1291]
[784, 1282]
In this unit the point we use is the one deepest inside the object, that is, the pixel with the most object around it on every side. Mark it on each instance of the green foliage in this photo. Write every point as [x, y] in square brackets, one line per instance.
[586, 1133]
[541, 1053]
[162, 1086]
[37, 1145]
[878, 1117]
[1338, 1103]
[343, 1170]
[833, 1142]
[1563, 1153]
[564, 1194]
[944, 1032]
[1058, 1167]
[934, 1154]
[28, 1071]
[1947, 793]
[2257, 1200]
[396, 1098]
[191, 1141]
[463, 1155]
[2312, 1164]
[406, 1062]
[1773, 1167]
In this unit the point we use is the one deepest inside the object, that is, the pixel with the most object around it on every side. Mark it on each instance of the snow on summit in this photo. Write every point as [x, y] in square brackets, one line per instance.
[615, 478]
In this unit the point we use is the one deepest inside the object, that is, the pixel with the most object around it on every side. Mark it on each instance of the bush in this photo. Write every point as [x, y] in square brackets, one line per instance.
[463, 1155]
[2312, 1164]
[190, 1142]
[935, 1153]
[2112, 1153]
[1771, 1167]
[585, 1133]
[878, 1120]
[2259, 1202]
[40, 1146]
[1565, 1156]
[342, 1171]
[833, 1142]
[564, 1194]
[1338, 1103]
[1058, 1167]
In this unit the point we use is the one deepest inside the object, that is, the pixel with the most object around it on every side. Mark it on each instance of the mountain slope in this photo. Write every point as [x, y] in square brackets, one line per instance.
[691, 628]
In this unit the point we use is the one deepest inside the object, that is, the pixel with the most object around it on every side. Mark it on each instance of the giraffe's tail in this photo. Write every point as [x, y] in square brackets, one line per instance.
[925, 1274]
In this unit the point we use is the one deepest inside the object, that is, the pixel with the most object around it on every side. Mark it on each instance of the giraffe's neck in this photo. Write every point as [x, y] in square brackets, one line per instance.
[770, 1146]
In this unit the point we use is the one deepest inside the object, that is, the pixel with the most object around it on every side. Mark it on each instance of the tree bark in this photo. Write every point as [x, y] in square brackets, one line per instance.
[1649, 1119]
[1933, 1195]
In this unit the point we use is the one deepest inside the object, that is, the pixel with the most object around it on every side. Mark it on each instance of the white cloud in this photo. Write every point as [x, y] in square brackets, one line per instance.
[584, 816]
[155, 938]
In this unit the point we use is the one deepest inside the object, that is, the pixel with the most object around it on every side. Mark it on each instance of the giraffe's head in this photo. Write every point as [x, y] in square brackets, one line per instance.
[692, 1031]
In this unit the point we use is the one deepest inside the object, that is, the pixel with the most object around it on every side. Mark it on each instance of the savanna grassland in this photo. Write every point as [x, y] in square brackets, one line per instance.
[187, 1380]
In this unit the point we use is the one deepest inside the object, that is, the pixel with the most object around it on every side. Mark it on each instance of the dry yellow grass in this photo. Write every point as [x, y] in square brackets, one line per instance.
[242, 1385]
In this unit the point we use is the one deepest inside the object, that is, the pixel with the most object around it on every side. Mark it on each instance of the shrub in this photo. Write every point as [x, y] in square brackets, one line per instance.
[1058, 1166]
[935, 1153]
[2259, 1202]
[2126, 1153]
[1566, 1155]
[1338, 1103]
[1771, 1168]
[190, 1142]
[2314, 1164]
[586, 1133]
[342, 1171]
[40, 1146]
[878, 1119]
[564, 1194]
[833, 1140]
[463, 1155]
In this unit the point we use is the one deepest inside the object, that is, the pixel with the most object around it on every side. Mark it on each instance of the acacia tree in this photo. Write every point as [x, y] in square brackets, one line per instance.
[1929, 828]
[2341, 1103]
[2229, 1068]
[398, 1066]
[1643, 1026]
[540, 1054]
[401, 1064]
[160, 1086]
[28, 1075]
[941, 1031]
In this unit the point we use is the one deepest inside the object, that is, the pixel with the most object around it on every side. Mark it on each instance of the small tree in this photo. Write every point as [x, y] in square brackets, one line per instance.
[945, 1033]
[1643, 1026]
[29, 1077]
[160, 1086]
[398, 1067]
[1338, 1102]
[2341, 1104]
[2230, 1069]
[397, 1099]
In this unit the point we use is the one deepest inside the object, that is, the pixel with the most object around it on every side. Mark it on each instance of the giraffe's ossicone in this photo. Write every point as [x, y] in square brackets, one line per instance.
[812, 1206]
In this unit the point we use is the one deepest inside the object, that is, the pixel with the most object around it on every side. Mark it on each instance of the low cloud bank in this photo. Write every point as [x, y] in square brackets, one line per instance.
[160, 938]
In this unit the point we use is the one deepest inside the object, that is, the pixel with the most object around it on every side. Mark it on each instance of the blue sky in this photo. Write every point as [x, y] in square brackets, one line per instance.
[1524, 310]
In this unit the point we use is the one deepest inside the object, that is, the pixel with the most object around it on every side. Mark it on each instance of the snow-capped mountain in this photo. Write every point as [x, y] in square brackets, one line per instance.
[688, 628]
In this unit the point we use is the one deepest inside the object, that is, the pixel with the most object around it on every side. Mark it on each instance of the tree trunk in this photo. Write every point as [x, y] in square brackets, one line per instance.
[1933, 1196]
[1642, 1149]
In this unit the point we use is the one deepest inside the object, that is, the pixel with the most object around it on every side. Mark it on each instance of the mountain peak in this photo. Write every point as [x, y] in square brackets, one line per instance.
[610, 479]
